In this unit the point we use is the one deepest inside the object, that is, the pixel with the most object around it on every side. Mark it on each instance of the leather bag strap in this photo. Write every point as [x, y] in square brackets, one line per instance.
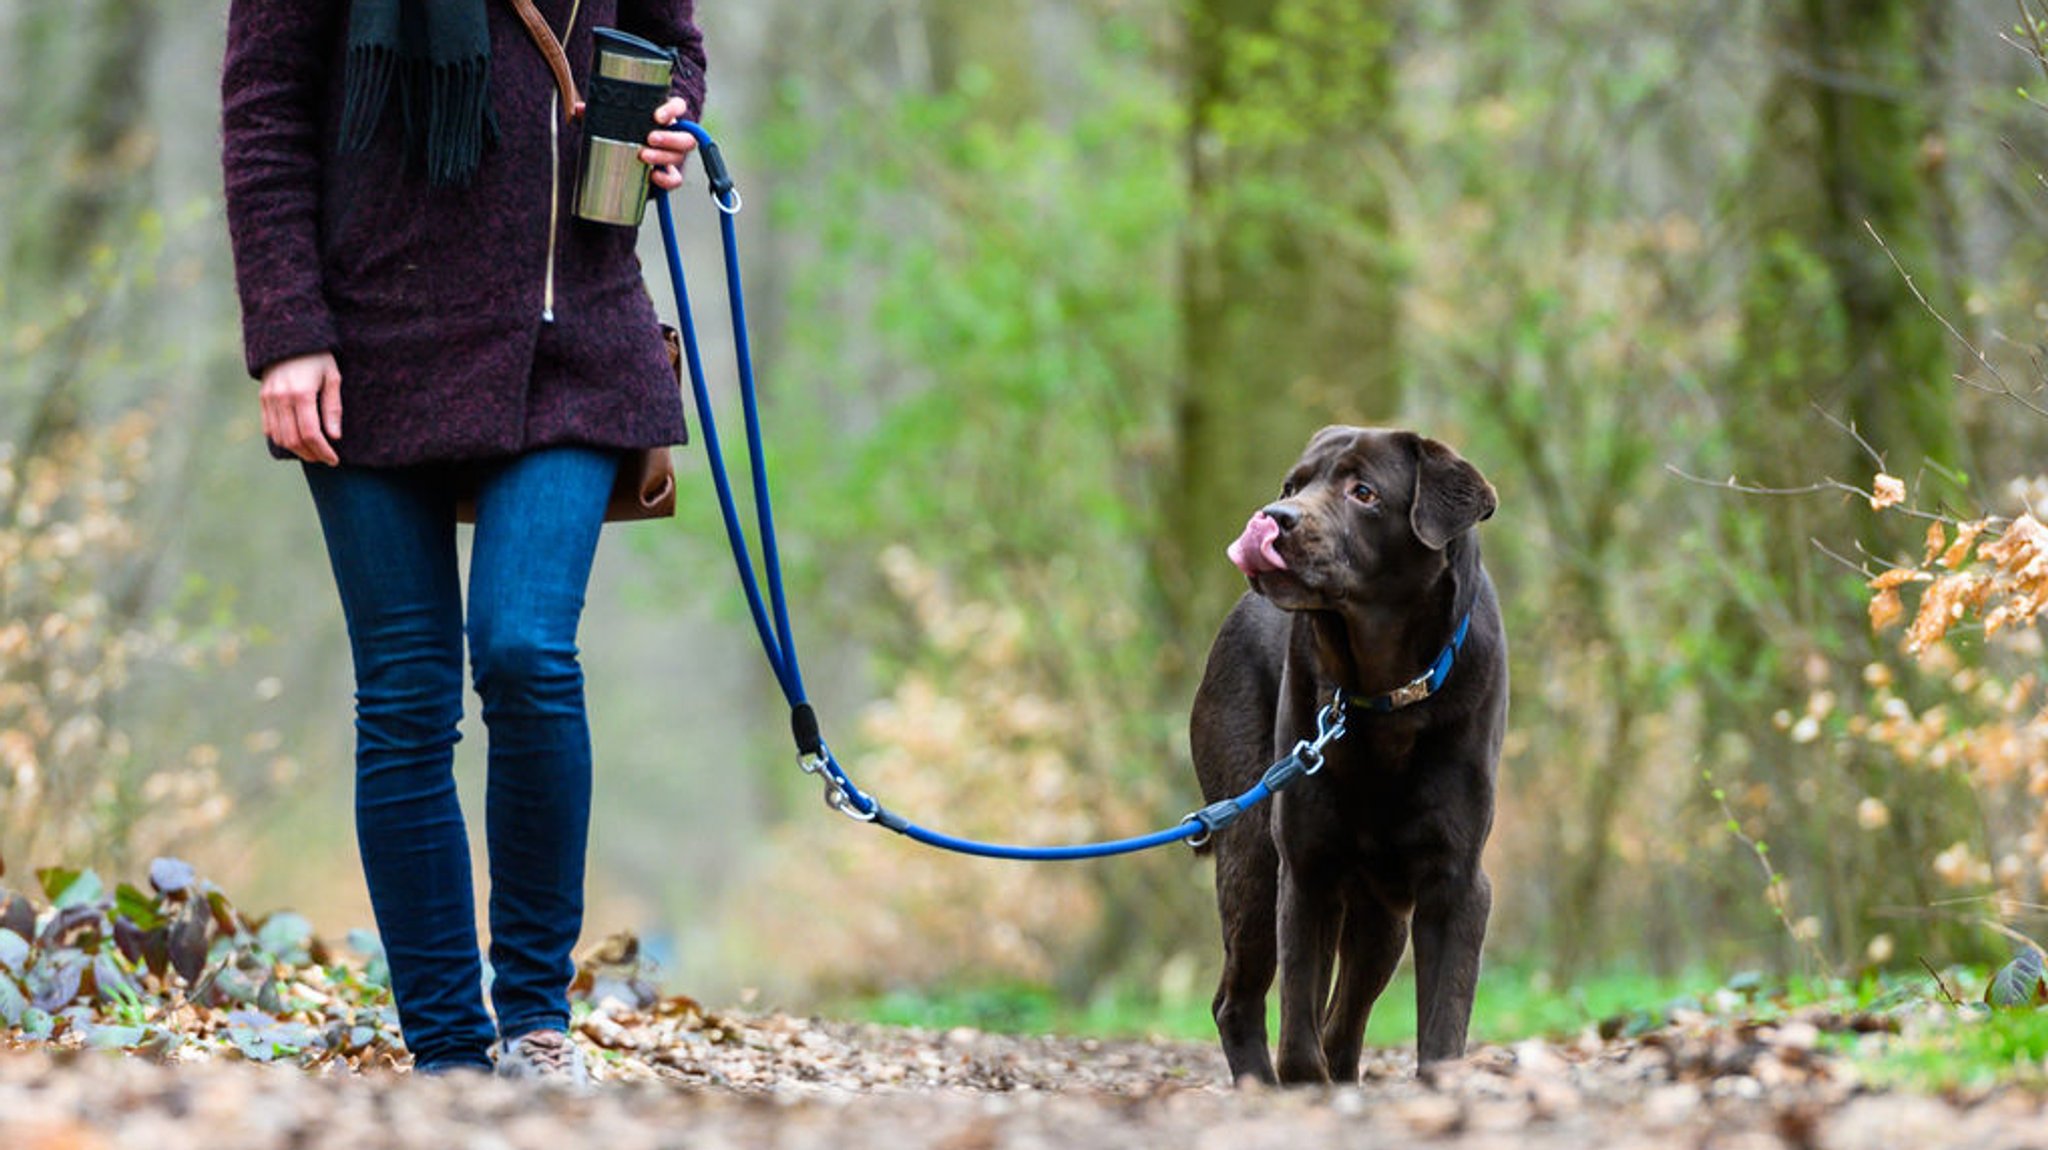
[551, 47]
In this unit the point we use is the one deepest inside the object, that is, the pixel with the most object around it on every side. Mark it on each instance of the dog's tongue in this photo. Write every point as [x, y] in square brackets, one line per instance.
[1253, 552]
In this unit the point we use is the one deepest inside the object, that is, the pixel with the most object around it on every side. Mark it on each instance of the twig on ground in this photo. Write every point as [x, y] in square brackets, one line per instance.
[1936, 976]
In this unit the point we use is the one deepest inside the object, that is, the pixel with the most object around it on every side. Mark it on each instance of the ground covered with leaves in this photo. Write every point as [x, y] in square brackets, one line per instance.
[729, 1080]
[166, 1018]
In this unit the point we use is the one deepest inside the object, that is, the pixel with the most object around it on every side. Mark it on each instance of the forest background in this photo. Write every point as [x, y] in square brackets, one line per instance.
[1046, 297]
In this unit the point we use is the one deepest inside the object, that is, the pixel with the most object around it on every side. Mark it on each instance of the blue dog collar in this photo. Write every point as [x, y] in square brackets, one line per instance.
[1424, 685]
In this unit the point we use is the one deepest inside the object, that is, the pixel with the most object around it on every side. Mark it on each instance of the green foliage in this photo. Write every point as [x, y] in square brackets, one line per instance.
[1285, 96]
[1571, 327]
[1514, 1002]
[179, 966]
[1968, 1052]
[1018, 277]
[2019, 984]
[985, 332]
[1946, 1043]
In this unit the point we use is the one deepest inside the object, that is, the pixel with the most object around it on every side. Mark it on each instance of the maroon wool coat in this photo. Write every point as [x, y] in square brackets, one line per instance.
[436, 301]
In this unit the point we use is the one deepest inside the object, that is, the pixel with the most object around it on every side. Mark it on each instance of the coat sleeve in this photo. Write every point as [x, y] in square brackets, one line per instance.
[273, 103]
[672, 23]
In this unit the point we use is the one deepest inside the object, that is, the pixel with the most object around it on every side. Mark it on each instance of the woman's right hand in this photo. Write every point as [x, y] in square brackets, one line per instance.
[302, 406]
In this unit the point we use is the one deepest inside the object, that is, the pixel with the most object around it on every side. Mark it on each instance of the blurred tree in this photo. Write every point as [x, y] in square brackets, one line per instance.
[985, 45]
[1847, 146]
[984, 316]
[1564, 329]
[1289, 293]
[78, 73]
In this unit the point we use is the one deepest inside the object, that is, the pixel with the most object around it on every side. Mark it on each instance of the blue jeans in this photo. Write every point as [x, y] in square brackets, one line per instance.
[391, 540]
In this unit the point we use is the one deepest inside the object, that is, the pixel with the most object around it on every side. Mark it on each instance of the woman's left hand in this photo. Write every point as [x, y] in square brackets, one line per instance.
[666, 150]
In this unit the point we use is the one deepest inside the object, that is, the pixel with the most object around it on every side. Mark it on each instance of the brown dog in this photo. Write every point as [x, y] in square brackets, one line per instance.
[1365, 579]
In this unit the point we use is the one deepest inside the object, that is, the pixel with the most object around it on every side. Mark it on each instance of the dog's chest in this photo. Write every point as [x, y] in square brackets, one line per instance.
[1373, 787]
[1379, 745]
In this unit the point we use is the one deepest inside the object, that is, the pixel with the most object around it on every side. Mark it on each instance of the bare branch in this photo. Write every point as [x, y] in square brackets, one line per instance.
[1850, 428]
[2034, 47]
[2004, 386]
[2013, 935]
[1733, 484]
[1822, 487]
[2039, 178]
[1863, 569]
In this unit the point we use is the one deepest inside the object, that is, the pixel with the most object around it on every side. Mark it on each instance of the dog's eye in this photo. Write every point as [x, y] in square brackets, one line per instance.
[1287, 490]
[1365, 493]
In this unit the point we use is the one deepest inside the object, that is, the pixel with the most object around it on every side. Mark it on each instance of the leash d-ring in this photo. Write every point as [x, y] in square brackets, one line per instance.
[770, 611]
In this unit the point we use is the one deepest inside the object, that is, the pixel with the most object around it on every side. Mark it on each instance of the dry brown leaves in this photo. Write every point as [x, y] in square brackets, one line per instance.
[1994, 573]
[2004, 583]
[677, 1075]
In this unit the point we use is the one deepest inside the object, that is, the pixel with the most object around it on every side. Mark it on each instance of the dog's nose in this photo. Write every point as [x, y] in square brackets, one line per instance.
[1282, 515]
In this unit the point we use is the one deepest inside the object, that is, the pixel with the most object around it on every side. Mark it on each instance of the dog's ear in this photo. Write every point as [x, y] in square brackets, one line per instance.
[1450, 495]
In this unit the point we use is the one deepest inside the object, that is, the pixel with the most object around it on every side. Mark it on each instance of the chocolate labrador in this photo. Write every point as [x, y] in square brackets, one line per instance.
[1366, 585]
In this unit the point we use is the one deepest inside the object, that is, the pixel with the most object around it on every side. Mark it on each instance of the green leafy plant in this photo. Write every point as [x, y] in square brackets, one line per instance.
[177, 965]
[2019, 984]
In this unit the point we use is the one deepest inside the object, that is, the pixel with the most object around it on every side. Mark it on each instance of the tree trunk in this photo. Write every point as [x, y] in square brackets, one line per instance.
[1288, 301]
[1828, 321]
[1827, 318]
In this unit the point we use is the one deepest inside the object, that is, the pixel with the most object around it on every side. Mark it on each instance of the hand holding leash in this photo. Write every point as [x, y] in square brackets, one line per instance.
[666, 150]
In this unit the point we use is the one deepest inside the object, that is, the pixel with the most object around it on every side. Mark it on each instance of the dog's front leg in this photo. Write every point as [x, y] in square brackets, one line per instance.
[1308, 921]
[1450, 925]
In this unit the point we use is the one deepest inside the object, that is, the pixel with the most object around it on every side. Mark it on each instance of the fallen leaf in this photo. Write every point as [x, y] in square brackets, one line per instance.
[2020, 983]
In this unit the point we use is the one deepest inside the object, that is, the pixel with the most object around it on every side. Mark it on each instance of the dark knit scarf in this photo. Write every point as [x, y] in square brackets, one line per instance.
[438, 52]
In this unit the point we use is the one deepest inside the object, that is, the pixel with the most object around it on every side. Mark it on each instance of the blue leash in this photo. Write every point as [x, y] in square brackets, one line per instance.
[771, 615]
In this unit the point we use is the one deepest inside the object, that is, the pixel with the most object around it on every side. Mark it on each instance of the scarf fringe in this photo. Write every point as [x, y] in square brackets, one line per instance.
[458, 120]
[444, 105]
[366, 87]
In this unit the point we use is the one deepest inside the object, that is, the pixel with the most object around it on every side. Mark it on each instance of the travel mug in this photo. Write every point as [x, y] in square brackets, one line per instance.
[629, 80]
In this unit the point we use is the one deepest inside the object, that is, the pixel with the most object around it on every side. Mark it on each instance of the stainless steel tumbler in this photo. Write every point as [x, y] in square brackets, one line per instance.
[628, 82]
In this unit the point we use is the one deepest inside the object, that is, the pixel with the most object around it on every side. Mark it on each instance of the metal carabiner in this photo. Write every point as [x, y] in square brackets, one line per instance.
[1330, 723]
[1329, 727]
[837, 795]
[837, 799]
[1311, 757]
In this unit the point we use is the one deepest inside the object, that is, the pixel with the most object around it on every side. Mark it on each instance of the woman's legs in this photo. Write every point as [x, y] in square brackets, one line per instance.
[391, 541]
[538, 519]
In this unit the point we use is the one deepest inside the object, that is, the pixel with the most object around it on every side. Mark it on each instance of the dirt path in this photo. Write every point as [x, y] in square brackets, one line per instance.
[779, 1082]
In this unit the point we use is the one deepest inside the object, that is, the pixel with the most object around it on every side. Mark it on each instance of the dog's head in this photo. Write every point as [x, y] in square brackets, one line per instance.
[1363, 519]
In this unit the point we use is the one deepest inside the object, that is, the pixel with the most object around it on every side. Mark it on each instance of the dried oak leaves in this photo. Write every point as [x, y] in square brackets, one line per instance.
[1990, 568]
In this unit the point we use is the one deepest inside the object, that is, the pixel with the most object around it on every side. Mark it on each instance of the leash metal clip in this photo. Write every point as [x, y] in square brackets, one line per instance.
[837, 799]
[1329, 728]
[836, 795]
[1306, 759]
